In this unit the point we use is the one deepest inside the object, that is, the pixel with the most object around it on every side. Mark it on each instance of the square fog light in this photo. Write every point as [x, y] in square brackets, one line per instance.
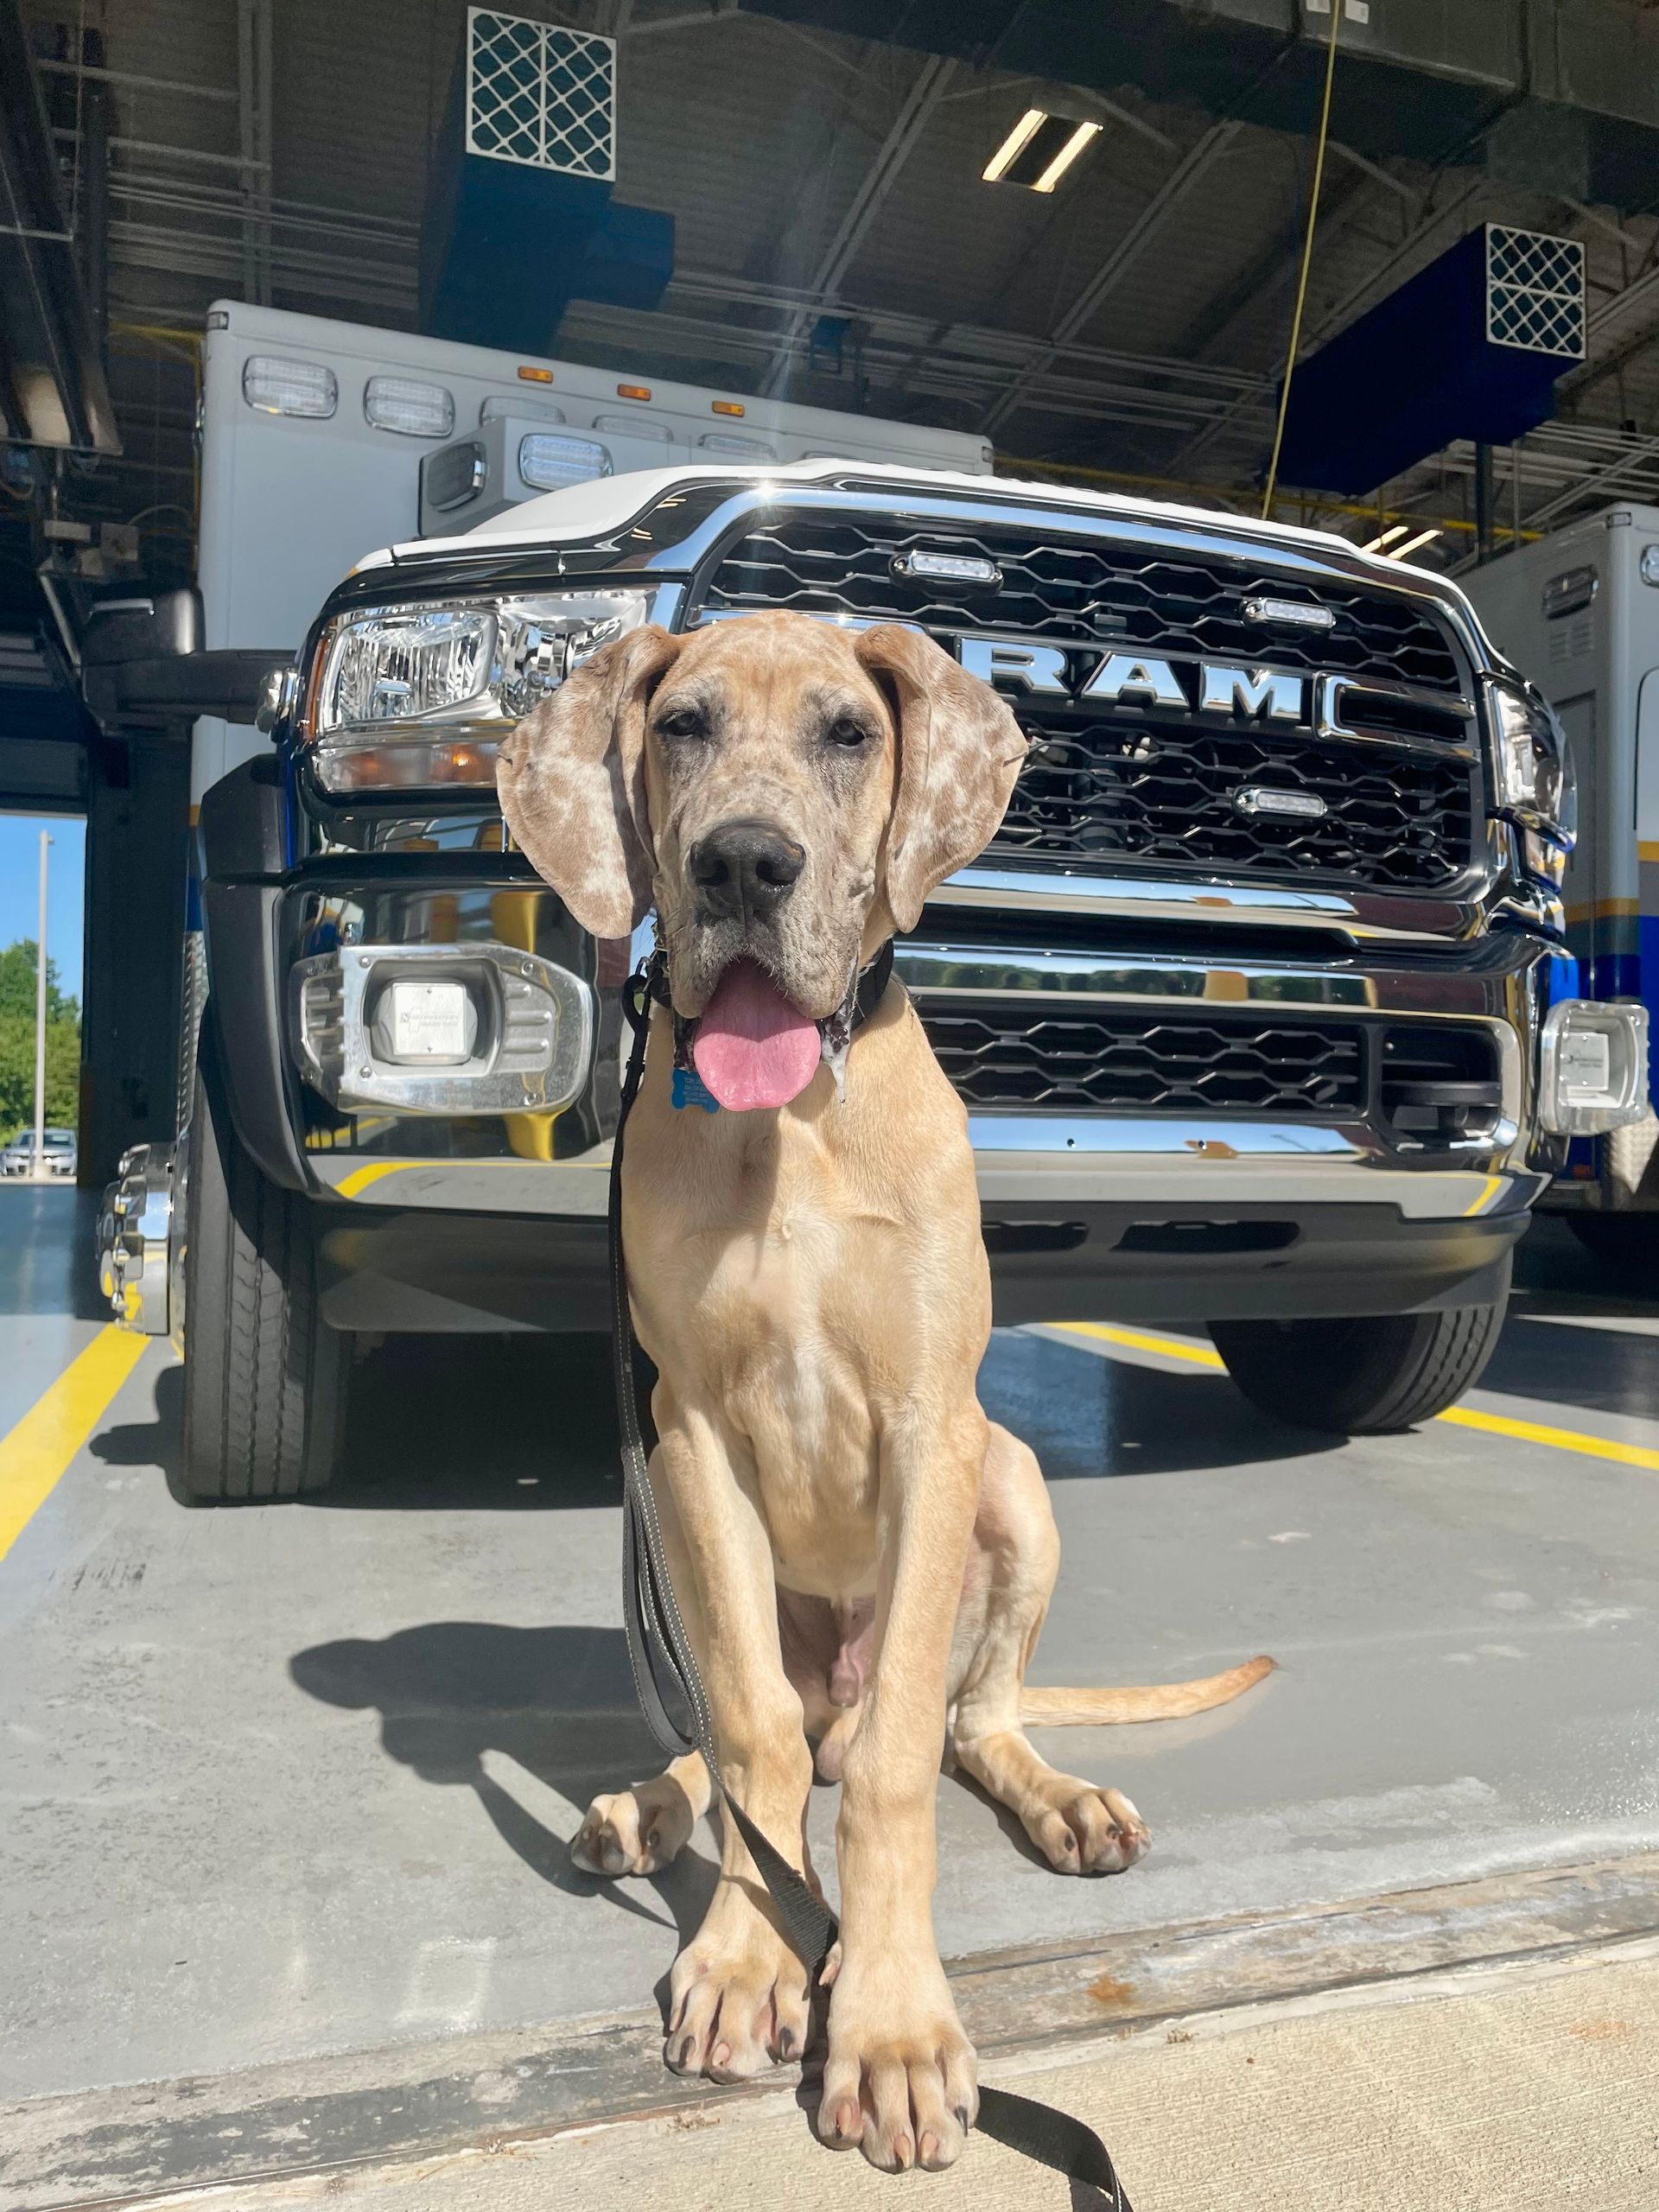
[424, 1024]
[1593, 1071]
[474, 1027]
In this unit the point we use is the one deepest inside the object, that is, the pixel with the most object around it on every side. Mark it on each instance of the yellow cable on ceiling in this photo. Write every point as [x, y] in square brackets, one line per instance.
[1307, 259]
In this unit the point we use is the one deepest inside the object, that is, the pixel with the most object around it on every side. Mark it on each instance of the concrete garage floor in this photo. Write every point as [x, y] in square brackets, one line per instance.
[287, 1783]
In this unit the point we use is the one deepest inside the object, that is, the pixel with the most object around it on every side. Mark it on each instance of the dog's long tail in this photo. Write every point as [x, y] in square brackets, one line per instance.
[1160, 1701]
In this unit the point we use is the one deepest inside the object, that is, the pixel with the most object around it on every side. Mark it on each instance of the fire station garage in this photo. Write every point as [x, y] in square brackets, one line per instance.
[829, 830]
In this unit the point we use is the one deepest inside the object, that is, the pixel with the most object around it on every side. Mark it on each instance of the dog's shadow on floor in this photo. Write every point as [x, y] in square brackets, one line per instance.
[557, 1702]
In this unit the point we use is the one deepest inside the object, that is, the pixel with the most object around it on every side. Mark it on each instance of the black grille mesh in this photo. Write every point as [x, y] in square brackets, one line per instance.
[1114, 596]
[1164, 795]
[1014, 1053]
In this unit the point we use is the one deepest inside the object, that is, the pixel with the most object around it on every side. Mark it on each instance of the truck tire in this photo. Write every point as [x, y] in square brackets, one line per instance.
[265, 1380]
[1370, 1377]
[1626, 1243]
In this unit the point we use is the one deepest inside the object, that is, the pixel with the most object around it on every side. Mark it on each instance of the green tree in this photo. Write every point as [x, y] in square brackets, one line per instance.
[17, 971]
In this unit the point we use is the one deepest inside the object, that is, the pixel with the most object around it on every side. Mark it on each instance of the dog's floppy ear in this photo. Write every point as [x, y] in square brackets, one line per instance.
[960, 749]
[572, 783]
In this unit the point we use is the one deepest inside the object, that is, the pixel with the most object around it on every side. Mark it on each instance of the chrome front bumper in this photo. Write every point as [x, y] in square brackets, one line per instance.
[1502, 982]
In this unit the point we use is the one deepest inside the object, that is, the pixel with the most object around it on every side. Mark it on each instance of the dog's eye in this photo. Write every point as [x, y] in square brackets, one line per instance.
[684, 721]
[845, 731]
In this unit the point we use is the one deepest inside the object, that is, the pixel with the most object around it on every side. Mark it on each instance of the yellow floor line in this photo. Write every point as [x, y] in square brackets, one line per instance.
[1565, 1440]
[1525, 1432]
[1137, 1340]
[360, 1178]
[44, 1442]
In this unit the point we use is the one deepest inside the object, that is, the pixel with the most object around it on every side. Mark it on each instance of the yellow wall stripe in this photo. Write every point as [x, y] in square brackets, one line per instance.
[1604, 910]
[1525, 1432]
[44, 1442]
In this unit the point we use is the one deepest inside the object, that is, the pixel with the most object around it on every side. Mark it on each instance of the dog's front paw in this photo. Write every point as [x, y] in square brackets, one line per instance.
[900, 2082]
[737, 1995]
[1091, 1832]
[636, 1831]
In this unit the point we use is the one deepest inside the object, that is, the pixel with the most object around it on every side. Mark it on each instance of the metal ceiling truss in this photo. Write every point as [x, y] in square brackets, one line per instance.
[52, 386]
[920, 103]
[227, 228]
[1182, 181]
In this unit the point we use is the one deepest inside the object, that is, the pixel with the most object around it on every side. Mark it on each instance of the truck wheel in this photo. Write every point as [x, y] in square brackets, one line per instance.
[1362, 1377]
[265, 1380]
[1627, 1243]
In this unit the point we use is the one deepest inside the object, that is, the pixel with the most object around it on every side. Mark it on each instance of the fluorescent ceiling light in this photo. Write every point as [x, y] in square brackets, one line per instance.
[1068, 154]
[1399, 552]
[1386, 539]
[1020, 136]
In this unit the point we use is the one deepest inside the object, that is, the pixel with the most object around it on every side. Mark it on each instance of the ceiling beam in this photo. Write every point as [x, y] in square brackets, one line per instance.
[1333, 319]
[927, 91]
[1602, 482]
[1271, 269]
[1194, 166]
[254, 88]
[52, 386]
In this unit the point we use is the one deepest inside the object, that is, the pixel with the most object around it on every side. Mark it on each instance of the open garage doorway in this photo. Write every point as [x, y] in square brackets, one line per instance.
[31, 843]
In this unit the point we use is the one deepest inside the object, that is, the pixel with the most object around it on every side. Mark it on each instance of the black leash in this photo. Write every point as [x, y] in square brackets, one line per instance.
[660, 1654]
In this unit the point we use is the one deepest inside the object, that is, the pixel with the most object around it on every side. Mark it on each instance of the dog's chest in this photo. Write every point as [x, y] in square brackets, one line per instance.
[793, 1370]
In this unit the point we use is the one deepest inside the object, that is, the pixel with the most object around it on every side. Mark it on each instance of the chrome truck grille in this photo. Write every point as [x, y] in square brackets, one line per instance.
[1119, 597]
[1425, 1085]
[1014, 1054]
[1376, 786]
[1388, 816]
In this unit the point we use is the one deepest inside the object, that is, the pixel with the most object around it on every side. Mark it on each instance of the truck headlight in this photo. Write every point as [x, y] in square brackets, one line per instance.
[419, 696]
[1531, 771]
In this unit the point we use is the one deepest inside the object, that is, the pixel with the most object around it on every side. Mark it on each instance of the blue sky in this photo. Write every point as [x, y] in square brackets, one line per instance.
[19, 861]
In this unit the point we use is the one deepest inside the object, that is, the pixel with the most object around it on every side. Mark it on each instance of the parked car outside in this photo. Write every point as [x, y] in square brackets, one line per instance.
[18, 1157]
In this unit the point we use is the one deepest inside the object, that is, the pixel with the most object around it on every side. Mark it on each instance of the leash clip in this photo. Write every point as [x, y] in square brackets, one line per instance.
[648, 982]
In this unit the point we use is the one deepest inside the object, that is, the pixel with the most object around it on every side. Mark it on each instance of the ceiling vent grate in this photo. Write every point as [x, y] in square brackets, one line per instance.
[1534, 292]
[540, 95]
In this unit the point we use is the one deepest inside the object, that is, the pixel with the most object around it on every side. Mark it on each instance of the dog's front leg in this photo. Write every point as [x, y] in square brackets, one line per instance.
[738, 1993]
[899, 2077]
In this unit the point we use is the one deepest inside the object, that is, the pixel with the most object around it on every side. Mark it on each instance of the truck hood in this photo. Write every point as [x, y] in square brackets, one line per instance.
[587, 511]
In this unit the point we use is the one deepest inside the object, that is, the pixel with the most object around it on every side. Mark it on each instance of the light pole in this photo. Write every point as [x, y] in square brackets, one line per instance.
[40, 1021]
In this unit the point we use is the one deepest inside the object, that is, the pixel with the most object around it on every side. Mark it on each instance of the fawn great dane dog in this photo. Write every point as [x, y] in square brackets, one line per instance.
[861, 1557]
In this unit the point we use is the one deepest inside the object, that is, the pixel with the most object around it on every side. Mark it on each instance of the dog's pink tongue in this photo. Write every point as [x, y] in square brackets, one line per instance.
[752, 1048]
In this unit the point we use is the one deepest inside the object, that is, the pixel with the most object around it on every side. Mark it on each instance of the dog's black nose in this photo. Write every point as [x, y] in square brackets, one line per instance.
[745, 867]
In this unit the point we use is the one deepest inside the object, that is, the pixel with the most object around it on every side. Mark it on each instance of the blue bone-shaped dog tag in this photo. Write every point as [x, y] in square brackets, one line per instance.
[689, 1089]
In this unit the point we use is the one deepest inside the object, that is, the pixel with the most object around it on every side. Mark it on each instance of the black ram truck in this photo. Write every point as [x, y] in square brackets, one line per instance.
[1258, 1002]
